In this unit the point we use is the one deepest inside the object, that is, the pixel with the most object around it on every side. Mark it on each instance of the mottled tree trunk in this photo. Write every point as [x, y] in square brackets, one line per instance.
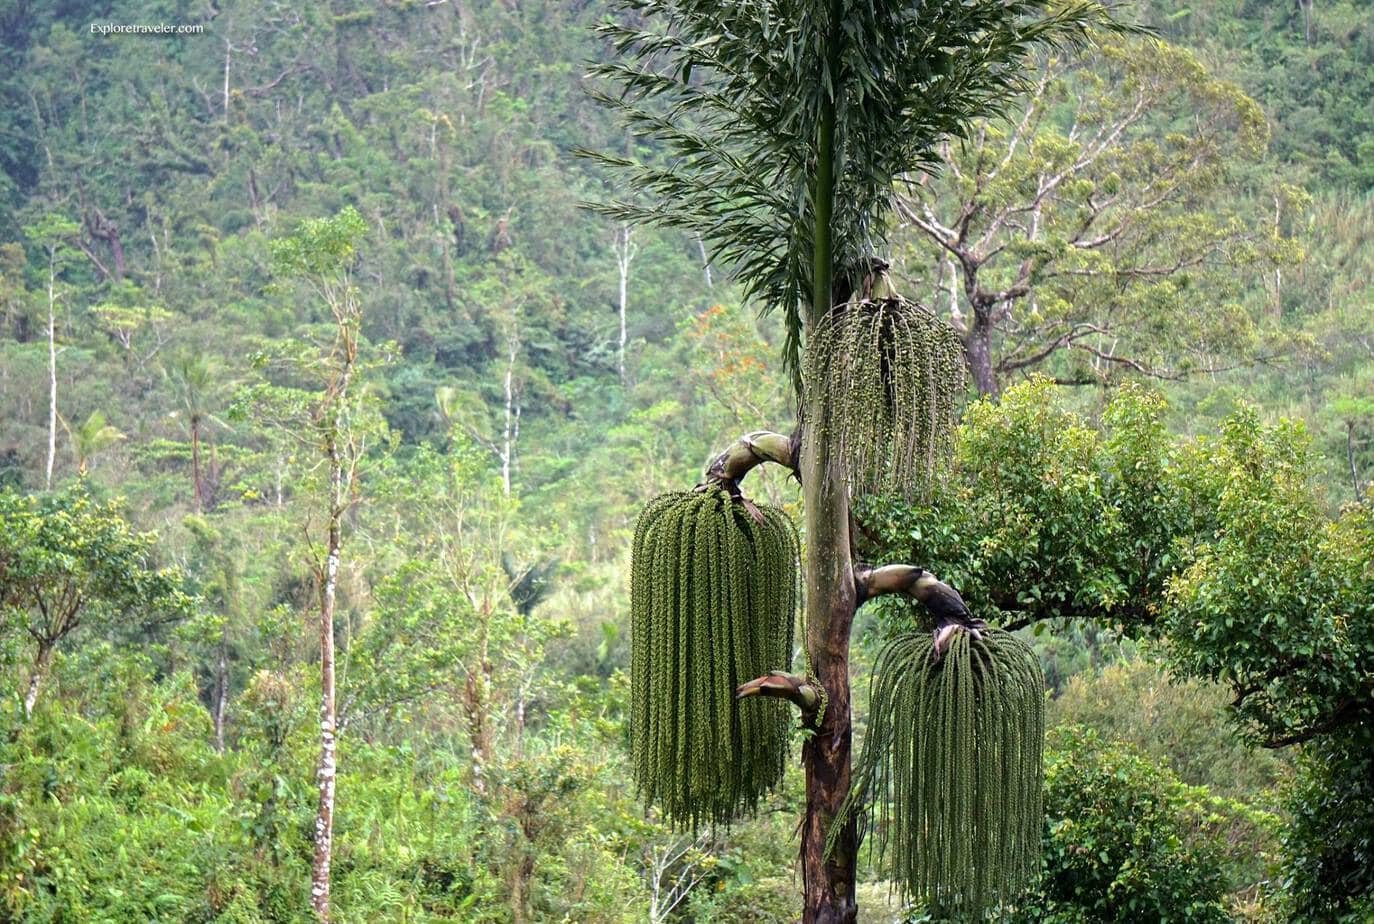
[39, 671]
[326, 770]
[475, 706]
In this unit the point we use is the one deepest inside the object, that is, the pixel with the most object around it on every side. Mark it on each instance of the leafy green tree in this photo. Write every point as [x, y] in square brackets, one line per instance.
[1122, 840]
[1221, 545]
[1327, 843]
[329, 408]
[1178, 723]
[68, 561]
[787, 129]
[1276, 602]
[1088, 223]
[1303, 61]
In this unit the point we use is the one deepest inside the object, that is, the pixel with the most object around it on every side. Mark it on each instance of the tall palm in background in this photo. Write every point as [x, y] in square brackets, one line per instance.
[192, 377]
[91, 437]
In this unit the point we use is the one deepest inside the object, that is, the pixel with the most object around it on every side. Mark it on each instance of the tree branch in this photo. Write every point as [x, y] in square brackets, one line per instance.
[1354, 709]
[748, 451]
[889, 579]
[799, 691]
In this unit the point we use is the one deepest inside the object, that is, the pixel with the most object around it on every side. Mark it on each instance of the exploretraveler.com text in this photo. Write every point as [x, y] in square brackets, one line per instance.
[162, 28]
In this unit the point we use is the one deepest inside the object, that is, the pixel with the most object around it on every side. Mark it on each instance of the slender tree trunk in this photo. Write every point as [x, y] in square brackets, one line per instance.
[831, 597]
[52, 365]
[512, 426]
[221, 689]
[624, 255]
[228, 57]
[475, 691]
[40, 670]
[1350, 457]
[196, 481]
[326, 770]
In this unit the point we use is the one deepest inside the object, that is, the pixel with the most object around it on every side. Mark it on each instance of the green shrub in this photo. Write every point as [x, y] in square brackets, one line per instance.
[1125, 841]
[1329, 846]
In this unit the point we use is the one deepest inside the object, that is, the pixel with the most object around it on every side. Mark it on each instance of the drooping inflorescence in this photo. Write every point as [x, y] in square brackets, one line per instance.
[890, 375]
[950, 777]
[713, 597]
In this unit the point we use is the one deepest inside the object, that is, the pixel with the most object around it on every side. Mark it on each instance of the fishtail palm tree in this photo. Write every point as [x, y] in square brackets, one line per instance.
[780, 128]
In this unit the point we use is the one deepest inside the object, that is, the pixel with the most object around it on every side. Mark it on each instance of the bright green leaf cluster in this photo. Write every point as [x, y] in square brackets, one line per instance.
[1124, 840]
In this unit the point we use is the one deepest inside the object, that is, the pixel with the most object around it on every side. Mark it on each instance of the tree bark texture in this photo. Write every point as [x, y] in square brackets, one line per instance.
[326, 770]
[40, 670]
[831, 599]
[978, 349]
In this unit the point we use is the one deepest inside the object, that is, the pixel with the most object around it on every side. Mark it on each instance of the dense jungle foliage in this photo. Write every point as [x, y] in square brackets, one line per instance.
[1164, 254]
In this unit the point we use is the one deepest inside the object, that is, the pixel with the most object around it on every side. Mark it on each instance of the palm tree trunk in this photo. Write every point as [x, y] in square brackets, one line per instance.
[831, 597]
[195, 461]
[828, 882]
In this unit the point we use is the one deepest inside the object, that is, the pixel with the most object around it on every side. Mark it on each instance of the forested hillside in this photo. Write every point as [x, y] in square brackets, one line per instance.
[305, 311]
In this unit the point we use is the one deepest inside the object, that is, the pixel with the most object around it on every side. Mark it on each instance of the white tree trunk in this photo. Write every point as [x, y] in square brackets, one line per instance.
[221, 690]
[674, 870]
[40, 668]
[511, 431]
[625, 253]
[705, 262]
[52, 365]
[327, 769]
[228, 55]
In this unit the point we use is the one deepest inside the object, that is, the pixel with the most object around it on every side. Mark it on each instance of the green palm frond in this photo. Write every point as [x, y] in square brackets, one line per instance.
[92, 436]
[728, 98]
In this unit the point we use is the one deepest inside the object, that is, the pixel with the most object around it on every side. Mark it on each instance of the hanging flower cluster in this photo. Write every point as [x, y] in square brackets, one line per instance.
[713, 598]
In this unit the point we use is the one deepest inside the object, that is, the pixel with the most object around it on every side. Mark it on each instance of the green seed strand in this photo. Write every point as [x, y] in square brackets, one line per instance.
[889, 376]
[713, 601]
[949, 781]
